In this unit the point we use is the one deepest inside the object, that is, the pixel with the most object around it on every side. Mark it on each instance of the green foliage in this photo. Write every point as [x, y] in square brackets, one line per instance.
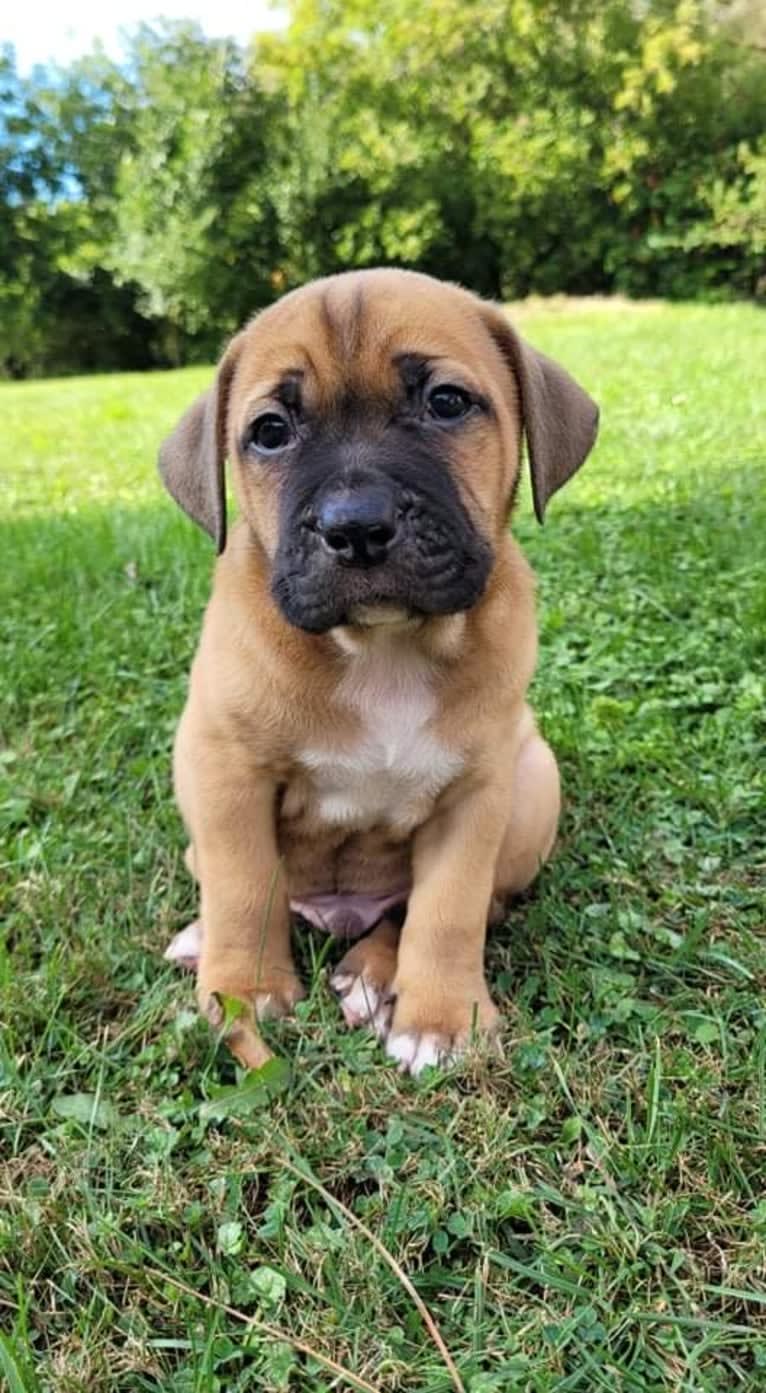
[61, 138]
[522, 147]
[584, 1215]
[737, 215]
[193, 199]
[514, 145]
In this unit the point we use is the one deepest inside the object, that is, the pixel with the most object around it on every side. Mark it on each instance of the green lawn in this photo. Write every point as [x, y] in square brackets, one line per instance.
[588, 1214]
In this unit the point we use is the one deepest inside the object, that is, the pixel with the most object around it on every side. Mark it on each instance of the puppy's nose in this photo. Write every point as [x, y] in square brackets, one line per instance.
[358, 526]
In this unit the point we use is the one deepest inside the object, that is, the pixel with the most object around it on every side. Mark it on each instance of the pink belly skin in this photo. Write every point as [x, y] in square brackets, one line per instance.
[345, 916]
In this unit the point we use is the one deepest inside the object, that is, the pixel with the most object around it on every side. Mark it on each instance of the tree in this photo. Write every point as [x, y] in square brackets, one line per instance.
[147, 208]
[196, 227]
[61, 134]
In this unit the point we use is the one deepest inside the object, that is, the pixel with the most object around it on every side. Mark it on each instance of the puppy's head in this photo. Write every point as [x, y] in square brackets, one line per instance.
[374, 422]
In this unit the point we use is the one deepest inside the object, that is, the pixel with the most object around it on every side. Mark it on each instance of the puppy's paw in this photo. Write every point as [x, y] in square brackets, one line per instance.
[432, 1029]
[362, 980]
[276, 995]
[278, 988]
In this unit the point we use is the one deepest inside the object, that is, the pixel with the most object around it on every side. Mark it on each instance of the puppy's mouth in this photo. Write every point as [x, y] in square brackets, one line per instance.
[433, 567]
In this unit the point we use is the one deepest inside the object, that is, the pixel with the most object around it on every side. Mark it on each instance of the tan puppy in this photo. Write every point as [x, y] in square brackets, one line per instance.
[356, 735]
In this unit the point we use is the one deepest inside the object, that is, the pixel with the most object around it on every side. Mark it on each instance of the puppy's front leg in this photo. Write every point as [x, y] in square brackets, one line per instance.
[441, 992]
[230, 809]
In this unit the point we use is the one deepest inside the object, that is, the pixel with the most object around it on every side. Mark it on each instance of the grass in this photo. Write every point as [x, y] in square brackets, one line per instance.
[588, 1214]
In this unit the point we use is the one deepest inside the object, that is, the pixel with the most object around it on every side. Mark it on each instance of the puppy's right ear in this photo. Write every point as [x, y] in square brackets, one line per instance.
[192, 458]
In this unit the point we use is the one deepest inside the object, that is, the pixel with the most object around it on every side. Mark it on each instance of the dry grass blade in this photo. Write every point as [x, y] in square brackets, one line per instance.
[274, 1331]
[399, 1272]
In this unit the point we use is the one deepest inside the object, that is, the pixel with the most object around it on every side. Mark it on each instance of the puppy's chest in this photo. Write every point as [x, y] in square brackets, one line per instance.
[392, 765]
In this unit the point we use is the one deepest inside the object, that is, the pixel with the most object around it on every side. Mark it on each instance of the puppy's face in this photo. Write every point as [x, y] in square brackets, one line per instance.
[374, 451]
[374, 425]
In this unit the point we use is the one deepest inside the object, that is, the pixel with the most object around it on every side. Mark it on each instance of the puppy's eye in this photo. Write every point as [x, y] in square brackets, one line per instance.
[449, 403]
[269, 433]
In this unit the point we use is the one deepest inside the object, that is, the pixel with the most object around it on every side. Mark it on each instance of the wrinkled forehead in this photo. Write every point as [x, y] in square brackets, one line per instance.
[365, 332]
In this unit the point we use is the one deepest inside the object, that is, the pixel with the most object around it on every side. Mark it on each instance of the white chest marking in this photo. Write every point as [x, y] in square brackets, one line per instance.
[395, 768]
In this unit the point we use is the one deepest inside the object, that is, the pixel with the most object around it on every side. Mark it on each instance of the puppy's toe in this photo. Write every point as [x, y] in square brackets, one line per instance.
[247, 1045]
[362, 1001]
[242, 1035]
[414, 1052]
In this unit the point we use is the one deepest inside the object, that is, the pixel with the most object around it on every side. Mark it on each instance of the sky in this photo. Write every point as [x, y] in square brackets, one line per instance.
[55, 31]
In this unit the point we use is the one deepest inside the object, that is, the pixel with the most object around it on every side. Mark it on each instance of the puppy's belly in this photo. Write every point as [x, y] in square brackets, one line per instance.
[346, 915]
[345, 836]
[343, 881]
[350, 808]
[324, 862]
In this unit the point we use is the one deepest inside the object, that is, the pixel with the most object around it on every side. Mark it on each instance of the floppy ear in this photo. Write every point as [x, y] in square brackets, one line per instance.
[559, 419]
[192, 459]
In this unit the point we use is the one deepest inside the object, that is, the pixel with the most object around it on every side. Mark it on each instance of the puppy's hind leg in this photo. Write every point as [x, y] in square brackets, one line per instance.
[535, 804]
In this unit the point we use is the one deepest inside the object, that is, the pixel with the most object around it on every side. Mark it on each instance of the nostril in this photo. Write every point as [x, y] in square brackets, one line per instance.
[380, 534]
[337, 540]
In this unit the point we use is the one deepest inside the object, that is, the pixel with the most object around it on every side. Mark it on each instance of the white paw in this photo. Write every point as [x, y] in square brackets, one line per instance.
[185, 947]
[362, 1002]
[414, 1052]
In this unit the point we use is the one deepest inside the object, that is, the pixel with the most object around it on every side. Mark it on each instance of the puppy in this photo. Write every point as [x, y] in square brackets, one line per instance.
[356, 746]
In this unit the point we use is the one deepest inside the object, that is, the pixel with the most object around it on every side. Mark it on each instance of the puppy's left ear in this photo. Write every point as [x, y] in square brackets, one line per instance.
[559, 419]
[193, 457]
